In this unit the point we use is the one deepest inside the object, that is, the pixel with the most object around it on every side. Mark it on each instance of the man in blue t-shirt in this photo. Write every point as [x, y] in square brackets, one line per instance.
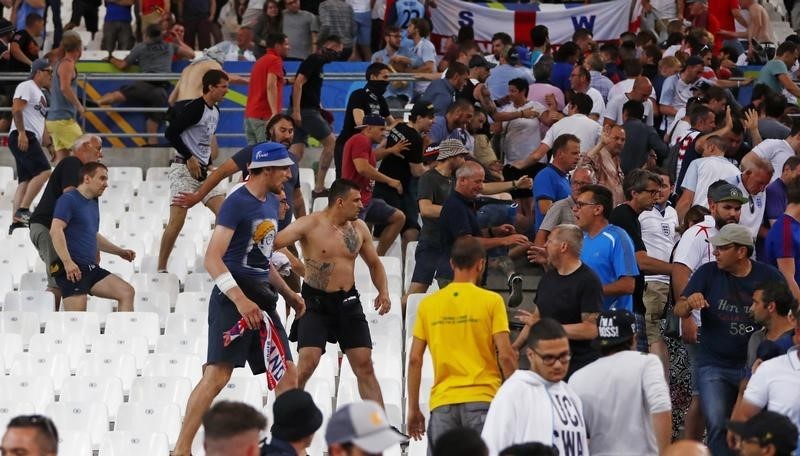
[76, 240]
[607, 248]
[782, 244]
[552, 183]
[723, 292]
[238, 258]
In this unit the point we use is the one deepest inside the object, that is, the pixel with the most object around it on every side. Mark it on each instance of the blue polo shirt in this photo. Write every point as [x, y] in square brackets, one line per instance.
[611, 256]
[441, 94]
[456, 219]
[551, 184]
[497, 82]
[82, 216]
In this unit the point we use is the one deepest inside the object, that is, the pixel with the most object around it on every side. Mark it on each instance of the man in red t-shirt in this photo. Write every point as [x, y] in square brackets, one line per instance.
[265, 92]
[358, 165]
[702, 17]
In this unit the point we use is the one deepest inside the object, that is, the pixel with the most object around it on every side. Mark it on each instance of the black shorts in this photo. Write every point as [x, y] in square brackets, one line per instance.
[377, 212]
[30, 163]
[90, 275]
[331, 317]
[222, 315]
[148, 94]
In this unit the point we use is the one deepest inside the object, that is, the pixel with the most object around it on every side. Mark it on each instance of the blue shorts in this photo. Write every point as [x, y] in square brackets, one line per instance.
[363, 27]
[377, 212]
[222, 315]
[425, 256]
[90, 275]
[30, 163]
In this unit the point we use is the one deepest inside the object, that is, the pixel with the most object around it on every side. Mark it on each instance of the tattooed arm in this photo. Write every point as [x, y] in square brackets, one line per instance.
[378, 274]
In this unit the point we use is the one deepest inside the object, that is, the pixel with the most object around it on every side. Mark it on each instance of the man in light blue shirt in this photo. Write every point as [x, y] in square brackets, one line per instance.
[401, 59]
[505, 71]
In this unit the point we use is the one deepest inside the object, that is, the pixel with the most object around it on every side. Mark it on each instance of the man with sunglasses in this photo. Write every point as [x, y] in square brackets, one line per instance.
[30, 434]
[722, 291]
[536, 405]
[646, 414]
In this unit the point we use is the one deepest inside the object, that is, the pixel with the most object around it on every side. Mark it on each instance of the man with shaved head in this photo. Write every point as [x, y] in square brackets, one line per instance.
[640, 92]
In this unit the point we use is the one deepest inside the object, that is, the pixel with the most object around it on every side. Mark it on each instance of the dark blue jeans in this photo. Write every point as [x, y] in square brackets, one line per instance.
[718, 387]
[58, 29]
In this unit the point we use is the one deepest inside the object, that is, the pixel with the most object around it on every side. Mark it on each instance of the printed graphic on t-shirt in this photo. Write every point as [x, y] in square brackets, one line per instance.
[569, 430]
[264, 236]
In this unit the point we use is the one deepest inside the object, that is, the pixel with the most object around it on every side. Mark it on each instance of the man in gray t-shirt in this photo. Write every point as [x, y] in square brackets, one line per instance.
[561, 211]
[152, 56]
[301, 27]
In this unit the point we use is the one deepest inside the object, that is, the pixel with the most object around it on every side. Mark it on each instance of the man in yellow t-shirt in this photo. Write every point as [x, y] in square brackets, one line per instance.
[462, 324]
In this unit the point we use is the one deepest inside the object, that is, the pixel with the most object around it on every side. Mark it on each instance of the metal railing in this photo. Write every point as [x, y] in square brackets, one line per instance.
[84, 78]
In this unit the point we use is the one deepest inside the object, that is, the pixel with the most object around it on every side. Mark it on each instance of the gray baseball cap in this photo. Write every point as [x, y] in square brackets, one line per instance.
[732, 233]
[363, 424]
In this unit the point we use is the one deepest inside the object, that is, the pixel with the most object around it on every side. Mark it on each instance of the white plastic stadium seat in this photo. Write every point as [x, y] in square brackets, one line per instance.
[174, 364]
[41, 302]
[91, 417]
[193, 302]
[157, 173]
[106, 389]
[188, 344]
[134, 324]
[12, 408]
[120, 365]
[150, 417]
[164, 390]
[32, 281]
[111, 344]
[77, 443]
[187, 323]
[132, 174]
[86, 324]
[116, 265]
[132, 443]
[10, 346]
[166, 282]
[72, 345]
[26, 324]
[244, 389]
[153, 301]
[53, 365]
[201, 283]
[36, 389]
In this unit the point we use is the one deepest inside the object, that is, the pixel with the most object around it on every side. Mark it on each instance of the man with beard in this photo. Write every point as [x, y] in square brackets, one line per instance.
[406, 167]
[363, 102]
[641, 188]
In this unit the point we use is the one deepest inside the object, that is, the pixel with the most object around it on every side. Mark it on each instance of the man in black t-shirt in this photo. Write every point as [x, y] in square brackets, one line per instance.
[406, 167]
[363, 102]
[305, 108]
[88, 148]
[641, 188]
[23, 47]
[570, 292]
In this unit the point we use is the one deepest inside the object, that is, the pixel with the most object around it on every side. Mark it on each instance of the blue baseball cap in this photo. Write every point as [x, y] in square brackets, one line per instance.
[270, 153]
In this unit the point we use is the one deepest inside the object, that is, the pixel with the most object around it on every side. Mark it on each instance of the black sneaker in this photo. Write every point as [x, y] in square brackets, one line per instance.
[515, 290]
[16, 225]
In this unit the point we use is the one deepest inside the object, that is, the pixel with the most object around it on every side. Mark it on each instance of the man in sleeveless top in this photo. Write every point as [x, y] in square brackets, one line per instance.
[64, 103]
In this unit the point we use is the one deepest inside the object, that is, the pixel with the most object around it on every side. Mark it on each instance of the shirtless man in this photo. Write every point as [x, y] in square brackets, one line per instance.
[190, 84]
[759, 28]
[330, 242]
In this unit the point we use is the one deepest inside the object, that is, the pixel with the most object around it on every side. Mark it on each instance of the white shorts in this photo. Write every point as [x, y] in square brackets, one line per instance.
[180, 180]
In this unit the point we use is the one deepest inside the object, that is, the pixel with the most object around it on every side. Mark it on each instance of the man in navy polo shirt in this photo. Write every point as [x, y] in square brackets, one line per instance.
[552, 183]
[76, 240]
[458, 219]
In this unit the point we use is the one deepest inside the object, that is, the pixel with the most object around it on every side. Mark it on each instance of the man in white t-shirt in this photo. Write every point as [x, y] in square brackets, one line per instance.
[677, 89]
[520, 135]
[704, 171]
[26, 139]
[639, 92]
[536, 405]
[635, 389]
[775, 385]
[659, 235]
[581, 80]
[752, 182]
[577, 123]
[776, 151]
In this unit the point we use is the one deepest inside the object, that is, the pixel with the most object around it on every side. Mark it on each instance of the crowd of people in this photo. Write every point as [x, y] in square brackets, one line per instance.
[661, 212]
